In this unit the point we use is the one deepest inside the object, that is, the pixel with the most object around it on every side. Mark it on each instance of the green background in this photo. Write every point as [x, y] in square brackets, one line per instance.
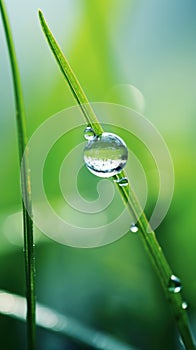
[148, 44]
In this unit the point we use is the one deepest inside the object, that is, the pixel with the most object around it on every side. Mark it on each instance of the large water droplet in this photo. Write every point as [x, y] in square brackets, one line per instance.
[106, 155]
[184, 305]
[123, 181]
[89, 133]
[175, 284]
[134, 228]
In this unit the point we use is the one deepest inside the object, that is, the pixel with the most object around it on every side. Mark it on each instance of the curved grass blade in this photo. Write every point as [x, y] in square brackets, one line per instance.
[73, 83]
[25, 183]
[14, 306]
[146, 233]
[71, 78]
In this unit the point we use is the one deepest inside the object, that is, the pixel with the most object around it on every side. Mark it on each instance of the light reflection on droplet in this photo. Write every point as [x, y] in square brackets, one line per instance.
[106, 155]
[175, 285]
[89, 133]
[184, 305]
[133, 228]
[123, 181]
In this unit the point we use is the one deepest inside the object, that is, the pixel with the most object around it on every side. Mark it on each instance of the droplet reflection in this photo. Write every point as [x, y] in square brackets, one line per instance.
[134, 228]
[106, 155]
[184, 305]
[89, 133]
[175, 285]
[122, 181]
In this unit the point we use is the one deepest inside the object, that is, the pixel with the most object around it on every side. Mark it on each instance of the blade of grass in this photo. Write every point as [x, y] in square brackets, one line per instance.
[72, 80]
[25, 182]
[148, 236]
[14, 306]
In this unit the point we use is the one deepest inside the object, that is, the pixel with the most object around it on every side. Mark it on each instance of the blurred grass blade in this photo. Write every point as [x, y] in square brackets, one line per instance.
[14, 306]
[71, 78]
[25, 183]
[146, 233]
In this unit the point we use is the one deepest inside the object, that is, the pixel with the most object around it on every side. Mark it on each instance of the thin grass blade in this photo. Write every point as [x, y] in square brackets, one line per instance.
[150, 242]
[25, 182]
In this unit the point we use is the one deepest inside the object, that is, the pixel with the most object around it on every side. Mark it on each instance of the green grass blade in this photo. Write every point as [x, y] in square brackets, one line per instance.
[149, 239]
[71, 78]
[14, 306]
[73, 82]
[25, 183]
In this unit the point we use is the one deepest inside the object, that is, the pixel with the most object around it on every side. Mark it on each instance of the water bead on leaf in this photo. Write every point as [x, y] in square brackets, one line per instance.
[123, 181]
[134, 228]
[175, 285]
[106, 155]
[184, 305]
[89, 133]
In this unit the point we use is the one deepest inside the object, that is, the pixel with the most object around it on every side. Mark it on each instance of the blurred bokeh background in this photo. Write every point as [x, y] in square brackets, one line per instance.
[150, 45]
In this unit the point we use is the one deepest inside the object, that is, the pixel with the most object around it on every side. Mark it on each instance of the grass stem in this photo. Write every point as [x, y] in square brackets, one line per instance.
[148, 236]
[25, 182]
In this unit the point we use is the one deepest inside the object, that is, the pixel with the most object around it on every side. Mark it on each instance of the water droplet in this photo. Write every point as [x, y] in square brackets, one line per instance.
[89, 133]
[184, 305]
[106, 155]
[123, 181]
[134, 228]
[175, 285]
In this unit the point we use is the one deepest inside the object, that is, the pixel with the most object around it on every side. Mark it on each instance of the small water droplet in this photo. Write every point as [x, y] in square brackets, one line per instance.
[123, 181]
[89, 133]
[184, 305]
[175, 285]
[106, 155]
[134, 228]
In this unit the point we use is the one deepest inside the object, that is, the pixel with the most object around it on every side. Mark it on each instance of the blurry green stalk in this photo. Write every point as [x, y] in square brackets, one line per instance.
[13, 305]
[148, 236]
[25, 183]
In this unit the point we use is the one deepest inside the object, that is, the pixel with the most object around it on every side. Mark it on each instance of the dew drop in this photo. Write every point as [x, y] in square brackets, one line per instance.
[89, 133]
[184, 305]
[134, 228]
[122, 182]
[175, 285]
[106, 155]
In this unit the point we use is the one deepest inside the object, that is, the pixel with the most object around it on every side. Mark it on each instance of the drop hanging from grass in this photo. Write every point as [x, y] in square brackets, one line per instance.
[123, 181]
[89, 133]
[105, 155]
[184, 305]
[134, 228]
[175, 285]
